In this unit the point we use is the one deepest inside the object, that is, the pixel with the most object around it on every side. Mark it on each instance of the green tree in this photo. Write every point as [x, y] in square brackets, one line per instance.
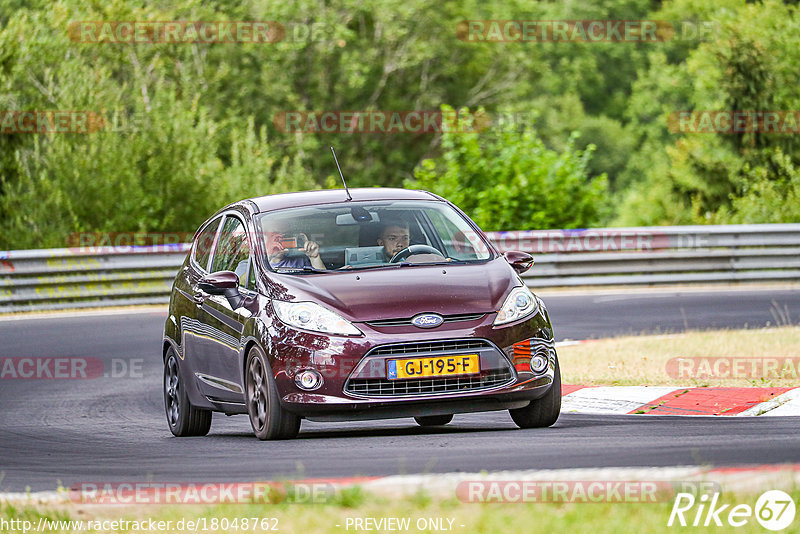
[509, 180]
[678, 178]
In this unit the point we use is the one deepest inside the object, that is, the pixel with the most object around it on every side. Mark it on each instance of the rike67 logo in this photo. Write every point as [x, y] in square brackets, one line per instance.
[774, 510]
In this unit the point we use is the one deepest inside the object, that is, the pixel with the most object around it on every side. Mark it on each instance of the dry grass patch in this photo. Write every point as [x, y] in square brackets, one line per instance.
[643, 360]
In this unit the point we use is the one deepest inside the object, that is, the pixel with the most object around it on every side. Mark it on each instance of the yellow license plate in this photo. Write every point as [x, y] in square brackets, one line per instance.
[462, 364]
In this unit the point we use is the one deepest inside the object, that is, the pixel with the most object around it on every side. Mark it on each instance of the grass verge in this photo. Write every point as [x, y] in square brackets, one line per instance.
[418, 510]
[654, 360]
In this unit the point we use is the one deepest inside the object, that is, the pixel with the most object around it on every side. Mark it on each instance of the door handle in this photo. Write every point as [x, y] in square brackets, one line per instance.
[199, 298]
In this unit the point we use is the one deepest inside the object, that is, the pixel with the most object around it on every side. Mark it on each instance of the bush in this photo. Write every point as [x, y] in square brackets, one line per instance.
[166, 172]
[508, 180]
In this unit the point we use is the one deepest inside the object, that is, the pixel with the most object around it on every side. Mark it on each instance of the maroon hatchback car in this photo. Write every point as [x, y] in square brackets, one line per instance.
[329, 306]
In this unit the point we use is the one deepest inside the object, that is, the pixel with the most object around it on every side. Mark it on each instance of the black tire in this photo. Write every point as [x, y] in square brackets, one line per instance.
[433, 420]
[542, 412]
[183, 418]
[268, 419]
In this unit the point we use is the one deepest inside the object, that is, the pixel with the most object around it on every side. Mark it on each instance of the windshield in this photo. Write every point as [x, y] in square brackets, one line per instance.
[368, 235]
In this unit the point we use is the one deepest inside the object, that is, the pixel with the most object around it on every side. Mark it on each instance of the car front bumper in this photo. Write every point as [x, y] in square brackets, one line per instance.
[343, 361]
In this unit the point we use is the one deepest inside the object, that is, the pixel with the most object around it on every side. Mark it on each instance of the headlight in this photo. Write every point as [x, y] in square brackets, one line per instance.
[312, 316]
[519, 303]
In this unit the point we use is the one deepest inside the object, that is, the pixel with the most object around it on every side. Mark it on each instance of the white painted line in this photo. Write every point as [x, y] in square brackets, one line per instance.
[743, 287]
[612, 399]
[77, 313]
[611, 298]
[37, 497]
[785, 404]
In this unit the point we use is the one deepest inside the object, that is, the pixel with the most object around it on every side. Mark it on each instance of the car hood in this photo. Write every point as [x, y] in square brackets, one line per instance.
[400, 292]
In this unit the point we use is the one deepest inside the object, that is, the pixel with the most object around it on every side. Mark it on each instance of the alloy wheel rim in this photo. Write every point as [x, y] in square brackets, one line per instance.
[172, 389]
[257, 393]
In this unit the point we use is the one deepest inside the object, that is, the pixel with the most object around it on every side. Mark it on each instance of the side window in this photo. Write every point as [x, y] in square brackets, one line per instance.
[201, 250]
[456, 242]
[233, 250]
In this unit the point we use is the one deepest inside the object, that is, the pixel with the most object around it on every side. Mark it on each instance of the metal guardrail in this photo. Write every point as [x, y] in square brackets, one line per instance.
[658, 255]
[114, 276]
[88, 276]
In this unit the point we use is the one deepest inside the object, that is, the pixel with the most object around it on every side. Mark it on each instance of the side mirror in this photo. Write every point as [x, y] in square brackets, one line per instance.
[224, 283]
[520, 261]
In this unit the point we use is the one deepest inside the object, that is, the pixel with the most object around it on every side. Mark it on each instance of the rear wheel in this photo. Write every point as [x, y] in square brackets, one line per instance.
[268, 418]
[541, 412]
[433, 420]
[183, 418]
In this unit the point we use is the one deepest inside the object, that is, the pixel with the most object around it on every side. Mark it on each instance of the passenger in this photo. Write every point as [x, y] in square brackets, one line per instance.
[277, 253]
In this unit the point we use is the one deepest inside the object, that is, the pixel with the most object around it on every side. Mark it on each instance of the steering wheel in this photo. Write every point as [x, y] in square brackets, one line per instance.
[412, 250]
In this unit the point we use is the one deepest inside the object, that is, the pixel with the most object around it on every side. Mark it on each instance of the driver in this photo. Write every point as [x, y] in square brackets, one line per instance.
[393, 237]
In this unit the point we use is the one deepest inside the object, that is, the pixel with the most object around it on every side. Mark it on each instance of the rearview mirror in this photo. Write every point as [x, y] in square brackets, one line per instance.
[520, 261]
[224, 283]
[357, 215]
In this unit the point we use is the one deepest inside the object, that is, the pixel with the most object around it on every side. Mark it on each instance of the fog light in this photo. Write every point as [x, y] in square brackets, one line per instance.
[308, 379]
[538, 363]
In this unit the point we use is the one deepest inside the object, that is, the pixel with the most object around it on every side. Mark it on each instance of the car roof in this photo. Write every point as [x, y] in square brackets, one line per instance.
[334, 196]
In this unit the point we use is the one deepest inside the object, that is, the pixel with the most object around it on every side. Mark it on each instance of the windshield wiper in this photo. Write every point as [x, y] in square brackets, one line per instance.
[404, 264]
[449, 262]
[347, 268]
[429, 263]
[304, 269]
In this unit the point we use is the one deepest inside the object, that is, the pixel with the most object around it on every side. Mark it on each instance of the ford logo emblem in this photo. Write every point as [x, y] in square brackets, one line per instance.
[427, 320]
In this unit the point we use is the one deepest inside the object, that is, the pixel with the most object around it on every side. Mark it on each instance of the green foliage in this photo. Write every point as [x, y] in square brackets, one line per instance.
[770, 193]
[165, 172]
[196, 121]
[508, 180]
[200, 100]
[684, 178]
[350, 497]
[563, 116]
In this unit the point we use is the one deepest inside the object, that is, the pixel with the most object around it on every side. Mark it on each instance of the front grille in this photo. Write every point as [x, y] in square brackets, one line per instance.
[406, 321]
[430, 346]
[380, 387]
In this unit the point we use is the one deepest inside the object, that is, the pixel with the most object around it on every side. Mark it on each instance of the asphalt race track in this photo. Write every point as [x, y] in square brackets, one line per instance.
[114, 429]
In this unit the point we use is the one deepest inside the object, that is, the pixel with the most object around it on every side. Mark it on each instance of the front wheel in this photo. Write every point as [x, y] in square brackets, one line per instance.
[541, 412]
[433, 420]
[183, 418]
[268, 418]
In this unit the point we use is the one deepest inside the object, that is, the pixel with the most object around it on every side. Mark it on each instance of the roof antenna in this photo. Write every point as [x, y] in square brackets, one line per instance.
[342, 175]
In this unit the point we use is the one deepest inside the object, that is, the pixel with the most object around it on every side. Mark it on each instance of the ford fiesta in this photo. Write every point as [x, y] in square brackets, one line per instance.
[368, 304]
